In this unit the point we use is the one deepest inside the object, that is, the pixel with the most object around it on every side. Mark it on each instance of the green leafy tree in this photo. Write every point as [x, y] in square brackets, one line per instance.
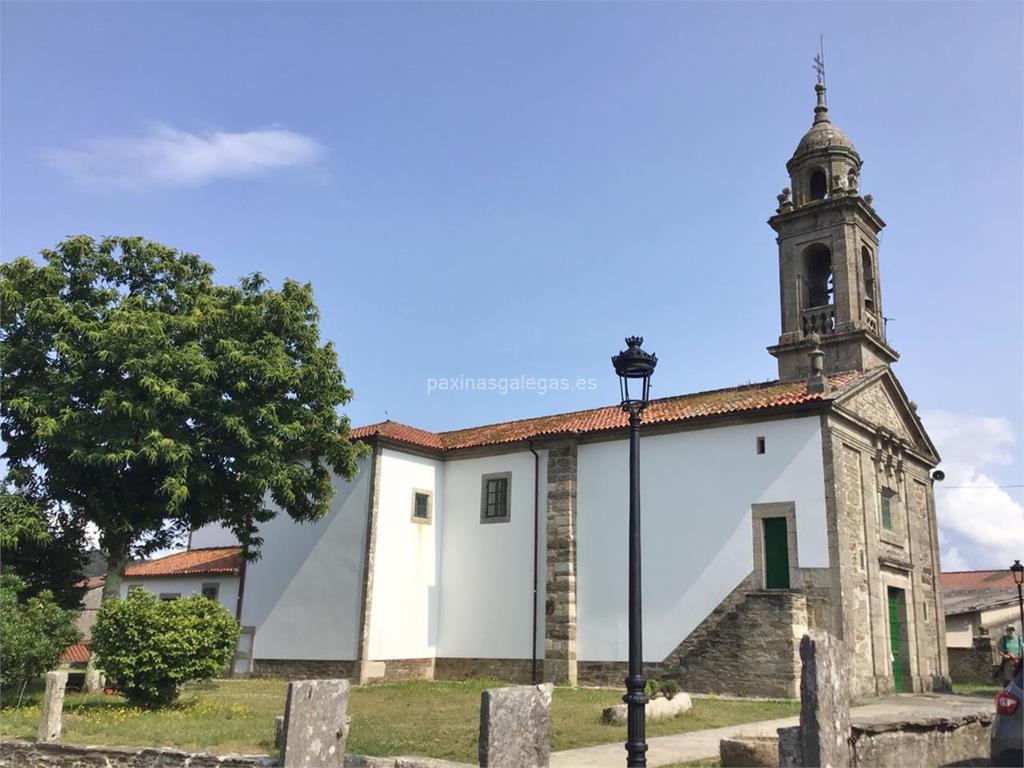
[55, 562]
[33, 633]
[21, 520]
[149, 400]
[149, 647]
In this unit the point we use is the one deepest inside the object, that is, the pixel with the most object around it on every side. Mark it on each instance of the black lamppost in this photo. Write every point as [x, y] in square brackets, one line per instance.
[634, 367]
[1018, 577]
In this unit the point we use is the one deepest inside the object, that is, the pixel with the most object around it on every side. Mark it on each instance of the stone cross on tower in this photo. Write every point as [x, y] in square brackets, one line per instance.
[828, 256]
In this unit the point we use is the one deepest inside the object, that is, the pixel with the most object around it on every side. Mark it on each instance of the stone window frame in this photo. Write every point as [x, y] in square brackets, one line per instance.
[430, 507]
[758, 513]
[507, 517]
[216, 588]
[894, 536]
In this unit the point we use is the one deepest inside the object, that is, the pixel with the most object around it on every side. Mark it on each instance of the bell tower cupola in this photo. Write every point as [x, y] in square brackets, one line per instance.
[828, 257]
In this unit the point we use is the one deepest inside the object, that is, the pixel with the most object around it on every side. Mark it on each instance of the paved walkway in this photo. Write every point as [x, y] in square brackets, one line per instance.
[701, 745]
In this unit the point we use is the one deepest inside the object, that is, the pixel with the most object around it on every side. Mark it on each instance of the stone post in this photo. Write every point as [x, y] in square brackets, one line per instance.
[514, 726]
[53, 706]
[315, 724]
[560, 603]
[824, 738]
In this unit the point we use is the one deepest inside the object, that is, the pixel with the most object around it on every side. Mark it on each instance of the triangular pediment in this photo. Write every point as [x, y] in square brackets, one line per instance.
[881, 403]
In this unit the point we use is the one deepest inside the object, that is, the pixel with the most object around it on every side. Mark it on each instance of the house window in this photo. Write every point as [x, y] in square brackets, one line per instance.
[885, 505]
[760, 446]
[170, 595]
[211, 591]
[422, 506]
[494, 497]
[776, 553]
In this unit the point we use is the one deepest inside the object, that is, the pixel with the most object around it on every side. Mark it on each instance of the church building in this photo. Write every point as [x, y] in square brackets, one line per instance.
[768, 510]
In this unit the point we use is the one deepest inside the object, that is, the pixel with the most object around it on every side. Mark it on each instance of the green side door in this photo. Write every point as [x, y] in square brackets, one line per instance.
[776, 553]
[894, 641]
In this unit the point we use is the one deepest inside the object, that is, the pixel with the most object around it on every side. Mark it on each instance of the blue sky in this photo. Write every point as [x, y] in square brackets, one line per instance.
[505, 190]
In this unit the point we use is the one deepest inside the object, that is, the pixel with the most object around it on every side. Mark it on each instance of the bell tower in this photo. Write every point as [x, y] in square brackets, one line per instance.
[828, 257]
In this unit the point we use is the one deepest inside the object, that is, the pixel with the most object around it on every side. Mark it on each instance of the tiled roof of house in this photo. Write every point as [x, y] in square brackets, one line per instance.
[977, 580]
[970, 600]
[78, 653]
[735, 400]
[191, 562]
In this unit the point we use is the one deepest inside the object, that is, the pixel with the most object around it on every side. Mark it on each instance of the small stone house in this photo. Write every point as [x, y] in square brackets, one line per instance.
[768, 509]
[214, 572]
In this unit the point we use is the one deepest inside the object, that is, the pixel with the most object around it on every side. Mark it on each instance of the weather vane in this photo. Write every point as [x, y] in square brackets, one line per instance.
[819, 60]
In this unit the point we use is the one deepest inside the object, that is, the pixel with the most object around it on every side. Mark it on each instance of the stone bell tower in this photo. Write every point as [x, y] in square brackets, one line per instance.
[828, 257]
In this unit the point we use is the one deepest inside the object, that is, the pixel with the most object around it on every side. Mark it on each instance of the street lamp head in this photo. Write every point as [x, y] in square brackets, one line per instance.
[634, 367]
[1018, 572]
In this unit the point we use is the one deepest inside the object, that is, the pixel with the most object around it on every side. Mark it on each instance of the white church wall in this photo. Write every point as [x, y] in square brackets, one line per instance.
[186, 586]
[487, 568]
[404, 606]
[303, 595]
[696, 491]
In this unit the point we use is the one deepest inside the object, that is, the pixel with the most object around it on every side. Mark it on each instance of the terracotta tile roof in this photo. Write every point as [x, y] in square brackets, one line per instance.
[744, 399]
[191, 562]
[78, 653]
[978, 580]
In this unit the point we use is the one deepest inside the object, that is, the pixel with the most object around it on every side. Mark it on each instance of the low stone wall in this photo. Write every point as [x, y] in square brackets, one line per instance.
[25, 754]
[408, 669]
[955, 739]
[613, 673]
[509, 670]
[975, 664]
[304, 669]
[963, 739]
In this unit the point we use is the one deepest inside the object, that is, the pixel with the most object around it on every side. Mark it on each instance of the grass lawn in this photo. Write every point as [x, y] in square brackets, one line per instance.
[977, 689]
[409, 718]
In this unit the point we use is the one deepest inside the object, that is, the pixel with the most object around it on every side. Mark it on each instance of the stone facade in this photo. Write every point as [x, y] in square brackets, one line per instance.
[560, 605]
[364, 669]
[22, 754]
[879, 451]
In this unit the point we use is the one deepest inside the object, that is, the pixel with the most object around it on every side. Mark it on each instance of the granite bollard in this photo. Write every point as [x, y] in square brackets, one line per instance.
[515, 726]
[315, 724]
[53, 706]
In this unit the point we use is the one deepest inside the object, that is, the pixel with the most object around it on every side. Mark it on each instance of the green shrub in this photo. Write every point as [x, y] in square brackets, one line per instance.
[652, 689]
[149, 647]
[33, 633]
[670, 688]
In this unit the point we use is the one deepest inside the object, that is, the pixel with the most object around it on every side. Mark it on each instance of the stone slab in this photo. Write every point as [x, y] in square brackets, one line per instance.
[50, 718]
[749, 752]
[315, 724]
[824, 702]
[660, 708]
[515, 726]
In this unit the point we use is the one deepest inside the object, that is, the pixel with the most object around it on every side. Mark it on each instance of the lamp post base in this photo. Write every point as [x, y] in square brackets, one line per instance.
[636, 721]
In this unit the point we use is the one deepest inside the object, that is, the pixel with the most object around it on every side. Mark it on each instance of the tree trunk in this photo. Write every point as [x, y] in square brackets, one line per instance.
[112, 585]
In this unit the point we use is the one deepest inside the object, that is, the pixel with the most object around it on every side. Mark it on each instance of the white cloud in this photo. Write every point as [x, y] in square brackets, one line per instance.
[165, 156]
[981, 526]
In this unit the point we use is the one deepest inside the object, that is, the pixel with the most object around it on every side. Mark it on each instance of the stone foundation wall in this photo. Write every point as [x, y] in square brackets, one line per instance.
[975, 664]
[518, 671]
[612, 674]
[408, 669]
[304, 669]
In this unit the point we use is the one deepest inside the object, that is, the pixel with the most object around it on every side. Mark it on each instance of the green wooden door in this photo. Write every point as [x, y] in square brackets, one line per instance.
[776, 553]
[894, 640]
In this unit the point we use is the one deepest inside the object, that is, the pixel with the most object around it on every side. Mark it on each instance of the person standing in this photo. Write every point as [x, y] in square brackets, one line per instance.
[1010, 651]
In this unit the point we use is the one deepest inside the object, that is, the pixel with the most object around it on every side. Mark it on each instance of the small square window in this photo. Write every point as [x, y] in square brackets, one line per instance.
[760, 445]
[166, 596]
[885, 505]
[422, 506]
[211, 591]
[494, 498]
[925, 606]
